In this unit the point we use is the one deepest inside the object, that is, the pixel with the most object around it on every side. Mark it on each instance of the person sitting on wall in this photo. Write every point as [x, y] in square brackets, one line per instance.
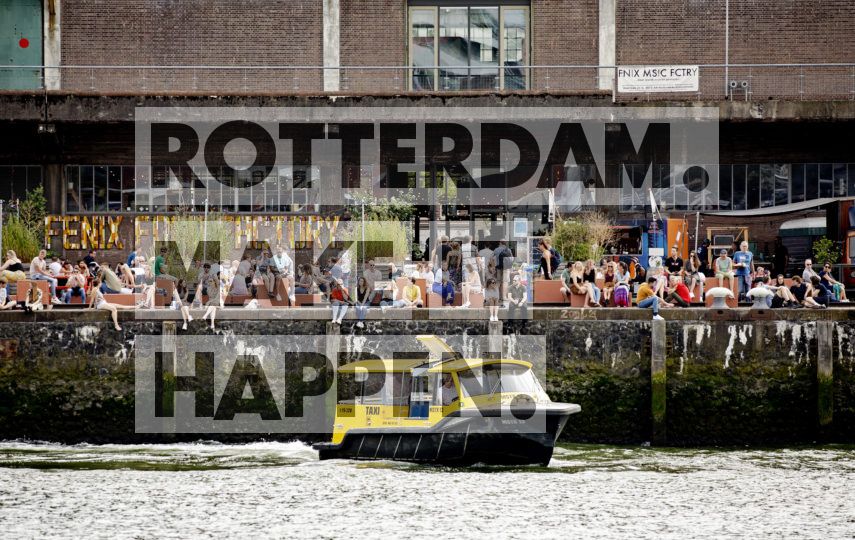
[646, 298]
[517, 300]
[305, 283]
[55, 266]
[445, 289]
[783, 297]
[491, 299]
[5, 301]
[39, 272]
[372, 275]
[13, 269]
[836, 288]
[411, 296]
[75, 286]
[678, 293]
[820, 292]
[724, 269]
[804, 293]
[674, 263]
[693, 276]
[339, 300]
[159, 266]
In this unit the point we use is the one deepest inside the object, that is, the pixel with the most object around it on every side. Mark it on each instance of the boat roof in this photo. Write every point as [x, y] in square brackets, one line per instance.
[382, 365]
[449, 360]
[376, 365]
[461, 364]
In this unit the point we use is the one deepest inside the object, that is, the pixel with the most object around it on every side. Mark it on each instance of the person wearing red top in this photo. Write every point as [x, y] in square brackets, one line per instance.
[678, 293]
[339, 299]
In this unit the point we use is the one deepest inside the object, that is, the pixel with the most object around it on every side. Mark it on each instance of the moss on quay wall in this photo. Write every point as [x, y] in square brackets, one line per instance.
[726, 381]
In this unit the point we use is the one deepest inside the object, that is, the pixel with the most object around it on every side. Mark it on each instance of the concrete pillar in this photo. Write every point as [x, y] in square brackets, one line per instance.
[51, 43]
[53, 187]
[824, 373]
[168, 344]
[607, 44]
[494, 337]
[332, 347]
[658, 380]
[332, 57]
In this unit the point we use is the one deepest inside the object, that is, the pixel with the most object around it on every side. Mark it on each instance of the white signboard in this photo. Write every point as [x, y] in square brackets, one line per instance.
[641, 79]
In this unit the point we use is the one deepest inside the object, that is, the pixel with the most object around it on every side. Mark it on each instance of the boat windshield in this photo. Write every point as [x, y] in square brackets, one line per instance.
[493, 378]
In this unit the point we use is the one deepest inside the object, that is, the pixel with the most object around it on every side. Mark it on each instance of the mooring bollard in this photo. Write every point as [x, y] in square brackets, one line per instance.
[719, 296]
[658, 381]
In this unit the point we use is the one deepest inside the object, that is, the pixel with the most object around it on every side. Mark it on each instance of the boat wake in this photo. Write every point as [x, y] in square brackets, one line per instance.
[202, 455]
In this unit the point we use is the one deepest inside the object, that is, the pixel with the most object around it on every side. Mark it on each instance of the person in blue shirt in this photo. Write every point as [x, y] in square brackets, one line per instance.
[743, 263]
[445, 290]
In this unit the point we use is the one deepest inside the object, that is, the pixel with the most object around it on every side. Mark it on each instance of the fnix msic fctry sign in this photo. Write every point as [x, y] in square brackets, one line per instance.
[235, 157]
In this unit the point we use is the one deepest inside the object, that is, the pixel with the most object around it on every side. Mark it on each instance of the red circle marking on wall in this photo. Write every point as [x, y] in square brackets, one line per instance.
[24, 43]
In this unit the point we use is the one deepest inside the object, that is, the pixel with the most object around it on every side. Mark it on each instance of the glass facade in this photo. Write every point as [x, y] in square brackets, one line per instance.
[474, 47]
[16, 180]
[108, 188]
[738, 187]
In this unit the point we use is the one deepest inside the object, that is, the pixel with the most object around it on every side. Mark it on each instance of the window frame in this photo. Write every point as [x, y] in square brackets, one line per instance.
[501, 68]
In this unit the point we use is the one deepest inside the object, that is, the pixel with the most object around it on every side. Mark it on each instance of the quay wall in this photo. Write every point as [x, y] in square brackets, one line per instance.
[701, 377]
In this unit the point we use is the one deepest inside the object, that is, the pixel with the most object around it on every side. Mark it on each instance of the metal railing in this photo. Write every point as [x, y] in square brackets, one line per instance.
[830, 81]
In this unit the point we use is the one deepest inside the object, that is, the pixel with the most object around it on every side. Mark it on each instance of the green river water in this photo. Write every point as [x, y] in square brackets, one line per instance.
[281, 490]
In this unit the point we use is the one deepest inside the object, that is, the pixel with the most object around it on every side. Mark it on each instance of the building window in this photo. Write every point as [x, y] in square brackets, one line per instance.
[101, 188]
[460, 47]
[17, 180]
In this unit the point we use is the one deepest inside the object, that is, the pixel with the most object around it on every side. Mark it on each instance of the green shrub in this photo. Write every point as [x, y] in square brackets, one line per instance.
[826, 251]
[20, 239]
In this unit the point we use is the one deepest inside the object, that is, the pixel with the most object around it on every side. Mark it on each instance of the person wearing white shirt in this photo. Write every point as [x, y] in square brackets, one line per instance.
[55, 266]
[38, 271]
[372, 275]
[285, 267]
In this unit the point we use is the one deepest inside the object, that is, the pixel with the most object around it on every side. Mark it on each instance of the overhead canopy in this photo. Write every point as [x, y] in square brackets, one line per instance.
[781, 209]
[812, 226]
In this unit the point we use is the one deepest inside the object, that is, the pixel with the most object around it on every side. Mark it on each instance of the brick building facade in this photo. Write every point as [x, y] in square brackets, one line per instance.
[803, 131]
[370, 33]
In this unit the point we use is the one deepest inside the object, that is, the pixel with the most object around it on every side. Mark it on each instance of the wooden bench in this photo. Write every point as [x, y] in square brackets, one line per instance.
[263, 294]
[237, 299]
[548, 291]
[124, 299]
[308, 299]
[168, 286]
[24, 288]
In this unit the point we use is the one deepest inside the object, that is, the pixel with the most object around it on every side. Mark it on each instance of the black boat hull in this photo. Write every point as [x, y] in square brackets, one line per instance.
[458, 440]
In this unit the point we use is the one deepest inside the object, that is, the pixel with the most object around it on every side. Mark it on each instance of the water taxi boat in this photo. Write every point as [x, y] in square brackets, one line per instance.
[452, 410]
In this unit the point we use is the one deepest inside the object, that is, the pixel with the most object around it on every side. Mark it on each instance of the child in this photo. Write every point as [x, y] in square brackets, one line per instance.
[33, 301]
[5, 301]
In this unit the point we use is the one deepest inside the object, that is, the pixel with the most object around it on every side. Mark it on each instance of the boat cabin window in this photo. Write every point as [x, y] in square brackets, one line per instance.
[375, 388]
[492, 378]
[372, 392]
[444, 392]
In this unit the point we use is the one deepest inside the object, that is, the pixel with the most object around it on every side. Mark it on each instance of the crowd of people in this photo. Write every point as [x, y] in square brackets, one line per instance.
[454, 271]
